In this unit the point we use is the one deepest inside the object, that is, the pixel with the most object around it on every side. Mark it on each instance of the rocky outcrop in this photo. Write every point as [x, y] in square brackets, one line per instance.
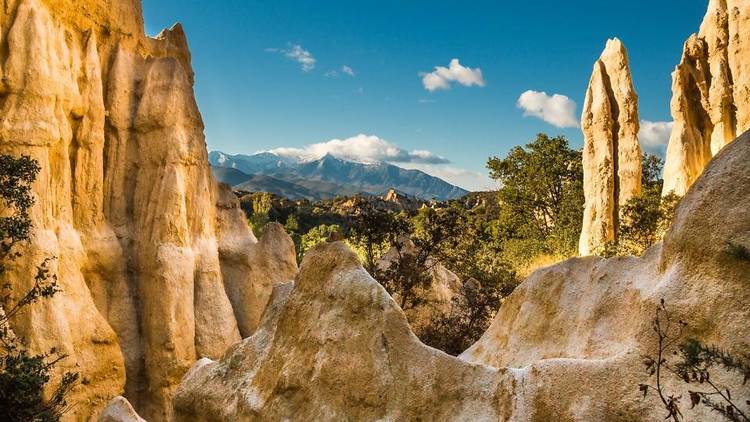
[711, 93]
[149, 250]
[335, 346]
[611, 153]
[566, 345]
[119, 410]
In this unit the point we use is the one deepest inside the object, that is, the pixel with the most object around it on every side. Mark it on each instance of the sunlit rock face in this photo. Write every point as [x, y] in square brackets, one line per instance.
[711, 94]
[566, 345]
[611, 153]
[147, 245]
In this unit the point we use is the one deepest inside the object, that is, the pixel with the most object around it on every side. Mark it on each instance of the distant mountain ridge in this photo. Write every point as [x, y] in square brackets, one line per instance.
[325, 177]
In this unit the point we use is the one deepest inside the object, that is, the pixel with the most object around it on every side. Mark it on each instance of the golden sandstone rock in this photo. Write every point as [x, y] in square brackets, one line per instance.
[147, 244]
[159, 269]
[611, 152]
[566, 345]
[711, 93]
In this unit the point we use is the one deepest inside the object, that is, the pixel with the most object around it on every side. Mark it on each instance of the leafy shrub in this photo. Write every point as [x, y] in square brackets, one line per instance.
[24, 376]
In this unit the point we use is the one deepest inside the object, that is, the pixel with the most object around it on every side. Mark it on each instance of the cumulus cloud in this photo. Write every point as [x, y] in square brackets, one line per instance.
[363, 149]
[442, 77]
[654, 136]
[467, 179]
[346, 70]
[557, 110]
[298, 54]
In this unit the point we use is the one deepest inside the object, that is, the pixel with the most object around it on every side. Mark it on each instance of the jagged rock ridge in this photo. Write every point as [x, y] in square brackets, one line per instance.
[611, 153]
[154, 260]
[566, 345]
[711, 95]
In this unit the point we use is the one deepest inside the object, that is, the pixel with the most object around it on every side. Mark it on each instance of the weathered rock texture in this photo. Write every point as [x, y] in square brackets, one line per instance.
[119, 410]
[149, 265]
[566, 345]
[711, 93]
[611, 153]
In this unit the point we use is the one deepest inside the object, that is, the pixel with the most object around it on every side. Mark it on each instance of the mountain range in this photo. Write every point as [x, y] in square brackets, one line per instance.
[325, 178]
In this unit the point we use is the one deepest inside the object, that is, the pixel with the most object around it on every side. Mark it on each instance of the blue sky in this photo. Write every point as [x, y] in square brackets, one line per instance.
[270, 74]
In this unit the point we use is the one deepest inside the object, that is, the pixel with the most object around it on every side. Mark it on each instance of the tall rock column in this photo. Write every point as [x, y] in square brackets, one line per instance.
[156, 263]
[611, 154]
[710, 93]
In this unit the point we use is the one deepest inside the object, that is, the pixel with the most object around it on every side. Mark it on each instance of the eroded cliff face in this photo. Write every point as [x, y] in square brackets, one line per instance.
[566, 345]
[711, 95]
[611, 153]
[149, 249]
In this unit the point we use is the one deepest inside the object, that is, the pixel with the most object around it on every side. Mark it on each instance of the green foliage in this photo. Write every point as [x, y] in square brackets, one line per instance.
[644, 220]
[541, 195]
[460, 240]
[417, 250]
[259, 218]
[317, 236]
[695, 365]
[24, 376]
[373, 232]
[697, 362]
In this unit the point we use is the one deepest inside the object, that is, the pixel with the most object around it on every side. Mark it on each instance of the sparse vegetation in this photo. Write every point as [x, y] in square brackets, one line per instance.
[694, 366]
[644, 220]
[24, 376]
[261, 208]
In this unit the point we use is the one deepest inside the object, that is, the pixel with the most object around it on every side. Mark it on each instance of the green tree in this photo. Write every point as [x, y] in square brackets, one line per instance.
[644, 219]
[23, 375]
[432, 231]
[475, 257]
[541, 197]
[373, 232]
[262, 203]
[316, 236]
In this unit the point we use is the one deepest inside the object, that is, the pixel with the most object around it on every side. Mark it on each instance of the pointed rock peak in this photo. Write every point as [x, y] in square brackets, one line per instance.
[614, 45]
[615, 57]
[612, 155]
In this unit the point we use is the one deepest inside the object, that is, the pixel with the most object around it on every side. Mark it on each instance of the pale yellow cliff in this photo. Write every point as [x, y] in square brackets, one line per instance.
[711, 95]
[149, 249]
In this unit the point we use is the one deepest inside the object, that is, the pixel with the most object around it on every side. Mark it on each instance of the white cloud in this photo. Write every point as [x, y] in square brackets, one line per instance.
[442, 77]
[654, 136]
[469, 180]
[557, 110]
[363, 149]
[298, 54]
[347, 70]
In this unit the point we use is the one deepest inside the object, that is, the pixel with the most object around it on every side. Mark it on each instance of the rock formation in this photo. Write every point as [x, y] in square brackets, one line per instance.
[156, 263]
[611, 153]
[711, 93]
[119, 410]
[566, 345]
